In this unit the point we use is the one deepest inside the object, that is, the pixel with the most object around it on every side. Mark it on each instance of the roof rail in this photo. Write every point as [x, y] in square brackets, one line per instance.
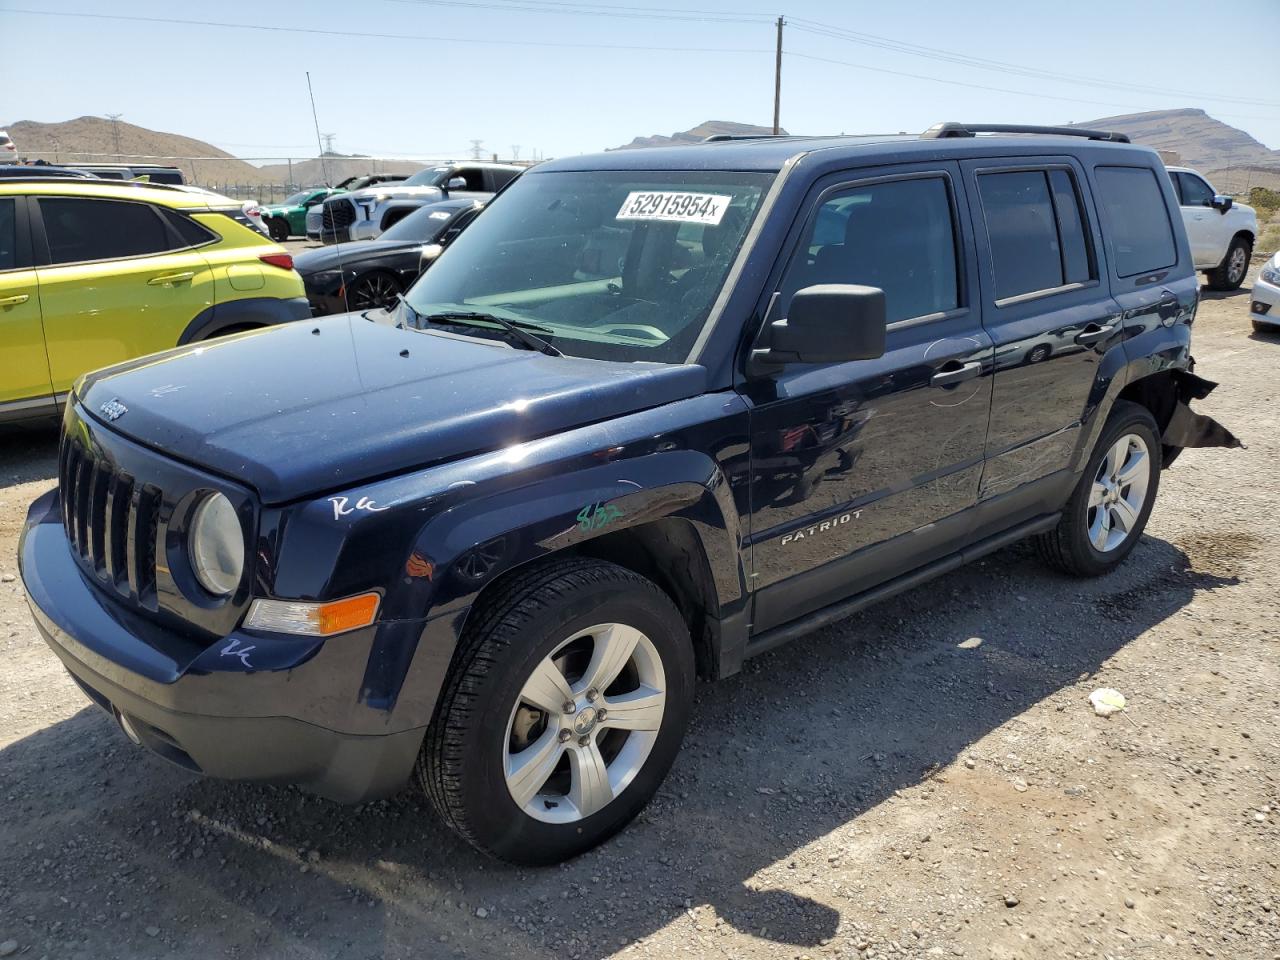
[89, 180]
[726, 137]
[941, 131]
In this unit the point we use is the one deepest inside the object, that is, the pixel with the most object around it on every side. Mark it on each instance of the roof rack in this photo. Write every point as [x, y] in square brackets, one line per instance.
[727, 137]
[941, 131]
[88, 180]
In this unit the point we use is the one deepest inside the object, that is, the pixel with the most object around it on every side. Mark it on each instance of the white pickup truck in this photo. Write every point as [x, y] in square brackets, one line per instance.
[1220, 230]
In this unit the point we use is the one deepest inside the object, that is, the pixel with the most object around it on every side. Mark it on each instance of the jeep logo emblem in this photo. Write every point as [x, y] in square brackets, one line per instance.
[113, 409]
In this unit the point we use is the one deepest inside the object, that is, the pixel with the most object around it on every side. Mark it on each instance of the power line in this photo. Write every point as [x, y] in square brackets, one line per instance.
[982, 63]
[348, 34]
[980, 86]
[591, 10]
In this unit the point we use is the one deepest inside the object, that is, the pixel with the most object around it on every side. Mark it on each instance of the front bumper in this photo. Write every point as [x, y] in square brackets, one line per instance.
[1264, 303]
[208, 713]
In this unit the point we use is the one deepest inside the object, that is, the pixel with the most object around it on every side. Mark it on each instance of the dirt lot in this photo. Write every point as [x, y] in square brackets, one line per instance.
[880, 789]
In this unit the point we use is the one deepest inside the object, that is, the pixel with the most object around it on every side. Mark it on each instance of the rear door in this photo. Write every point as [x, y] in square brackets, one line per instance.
[863, 470]
[1051, 318]
[116, 281]
[25, 388]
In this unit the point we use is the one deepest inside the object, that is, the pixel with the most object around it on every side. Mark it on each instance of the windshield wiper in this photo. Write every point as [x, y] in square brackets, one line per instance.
[521, 331]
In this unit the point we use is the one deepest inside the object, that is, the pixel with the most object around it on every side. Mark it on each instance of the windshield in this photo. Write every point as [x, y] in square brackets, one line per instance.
[424, 225]
[296, 199]
[431, 177]
[615, 265]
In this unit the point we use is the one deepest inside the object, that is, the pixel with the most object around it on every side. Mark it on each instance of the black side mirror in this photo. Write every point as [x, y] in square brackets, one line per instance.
[827, 323]
[1221, 203]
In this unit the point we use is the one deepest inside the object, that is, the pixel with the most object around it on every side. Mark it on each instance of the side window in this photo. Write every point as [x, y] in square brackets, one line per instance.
[1136, 219]
[898, 235]
[1195, 192]
[80, 229]
[1023, 236]
[500, 178]
[8, 234]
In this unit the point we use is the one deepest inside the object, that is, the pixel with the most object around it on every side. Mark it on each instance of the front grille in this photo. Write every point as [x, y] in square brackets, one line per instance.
[112, 522]
[338, 215]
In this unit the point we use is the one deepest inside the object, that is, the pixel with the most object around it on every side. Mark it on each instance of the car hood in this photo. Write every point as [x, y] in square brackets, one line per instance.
[340, 255]
[304, 408]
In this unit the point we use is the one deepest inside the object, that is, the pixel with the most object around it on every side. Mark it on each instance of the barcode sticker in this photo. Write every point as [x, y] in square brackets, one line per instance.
[674, 207]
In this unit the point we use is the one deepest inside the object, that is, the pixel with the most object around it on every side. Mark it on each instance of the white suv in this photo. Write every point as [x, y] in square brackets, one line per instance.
[1221, 231]
[359, 214]
[8, 149]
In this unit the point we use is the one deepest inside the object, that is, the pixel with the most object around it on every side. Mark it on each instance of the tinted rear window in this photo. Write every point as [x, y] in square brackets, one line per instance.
[191, 233]
[8, 235]
[1135, 214]
[1021, 228]
[80, 229]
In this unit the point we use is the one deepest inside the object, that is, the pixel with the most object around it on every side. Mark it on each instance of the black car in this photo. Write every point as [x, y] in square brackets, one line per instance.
[655, 412]
[372, 273]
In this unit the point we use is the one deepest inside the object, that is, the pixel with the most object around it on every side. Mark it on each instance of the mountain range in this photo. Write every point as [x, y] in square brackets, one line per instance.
[1231, 158]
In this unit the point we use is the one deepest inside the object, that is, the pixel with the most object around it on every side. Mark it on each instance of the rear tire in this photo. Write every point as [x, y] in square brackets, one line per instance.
[278, 228]
[1229, 274]
[1108, 510]
[507, 764]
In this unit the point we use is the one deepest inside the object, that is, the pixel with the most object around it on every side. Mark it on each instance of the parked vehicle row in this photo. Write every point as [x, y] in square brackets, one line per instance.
[365, 213]
[96, 272]
[374, 273]
[316, 211]
[651, 413]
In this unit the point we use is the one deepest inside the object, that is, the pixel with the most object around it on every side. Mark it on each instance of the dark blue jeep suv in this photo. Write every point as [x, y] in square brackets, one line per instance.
[654, 412]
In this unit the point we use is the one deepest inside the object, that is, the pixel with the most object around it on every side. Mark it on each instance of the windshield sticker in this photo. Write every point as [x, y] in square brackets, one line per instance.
[438, 215]
[674, 207]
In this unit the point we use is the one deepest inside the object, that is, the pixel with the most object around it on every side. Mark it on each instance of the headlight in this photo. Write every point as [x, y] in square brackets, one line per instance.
[1271, 274]
[216, 545]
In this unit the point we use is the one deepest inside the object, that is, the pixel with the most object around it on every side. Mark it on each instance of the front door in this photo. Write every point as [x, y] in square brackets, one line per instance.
[112, 287]
[863, 470]
[24, 368]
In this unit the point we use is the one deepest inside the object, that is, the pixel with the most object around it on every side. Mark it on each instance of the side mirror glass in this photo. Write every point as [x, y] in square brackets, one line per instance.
[1222, 203]
[457, 183]
[827, 323]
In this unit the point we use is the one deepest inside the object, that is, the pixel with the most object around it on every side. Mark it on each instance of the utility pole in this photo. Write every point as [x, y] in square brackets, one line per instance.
[115, 130]
[777, 82]
[477, 149]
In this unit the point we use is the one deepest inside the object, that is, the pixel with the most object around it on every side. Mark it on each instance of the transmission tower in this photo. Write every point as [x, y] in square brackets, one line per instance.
[115, 130]
[477, 149]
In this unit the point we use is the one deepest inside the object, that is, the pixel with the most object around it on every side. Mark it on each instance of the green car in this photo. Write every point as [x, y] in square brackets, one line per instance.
[288, 218]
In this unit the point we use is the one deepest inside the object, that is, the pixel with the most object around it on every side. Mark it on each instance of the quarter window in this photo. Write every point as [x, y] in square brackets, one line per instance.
[898, 236]
[1035, 228]
[80, 229]
[1135, 215]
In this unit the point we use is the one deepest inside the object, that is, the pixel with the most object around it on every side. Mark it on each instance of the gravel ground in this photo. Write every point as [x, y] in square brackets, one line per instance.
[883, 788]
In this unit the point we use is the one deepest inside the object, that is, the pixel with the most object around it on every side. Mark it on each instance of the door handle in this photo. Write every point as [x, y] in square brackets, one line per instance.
[953, 372]
[1093, 333]
[16, 299]
[169, 279]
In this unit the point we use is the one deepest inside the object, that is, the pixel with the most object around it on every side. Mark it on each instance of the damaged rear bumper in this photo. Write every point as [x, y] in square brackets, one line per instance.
[1186, 428]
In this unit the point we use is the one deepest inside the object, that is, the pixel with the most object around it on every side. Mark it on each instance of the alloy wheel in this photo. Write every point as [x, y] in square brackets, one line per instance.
[374, 290]
[1237, 264]
[584, 723]
[1119, 493]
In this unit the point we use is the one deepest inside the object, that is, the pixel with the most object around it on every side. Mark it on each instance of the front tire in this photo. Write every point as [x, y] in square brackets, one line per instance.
[1229, 274]
[1106, 514]
[371, 291]
[278, 228]
[563, 710]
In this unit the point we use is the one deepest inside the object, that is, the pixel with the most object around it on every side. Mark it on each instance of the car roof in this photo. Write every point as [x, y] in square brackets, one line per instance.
[770, 154]
[105, 189]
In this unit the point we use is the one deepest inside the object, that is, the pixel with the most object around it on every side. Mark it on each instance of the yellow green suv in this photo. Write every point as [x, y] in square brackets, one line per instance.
[96, 272]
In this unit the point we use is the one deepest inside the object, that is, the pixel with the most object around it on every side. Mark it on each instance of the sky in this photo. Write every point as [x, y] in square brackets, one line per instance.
[423, 78]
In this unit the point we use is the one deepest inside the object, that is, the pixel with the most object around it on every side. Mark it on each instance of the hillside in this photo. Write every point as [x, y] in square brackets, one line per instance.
[91, 138]
[1225, 153]
[698, 134]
